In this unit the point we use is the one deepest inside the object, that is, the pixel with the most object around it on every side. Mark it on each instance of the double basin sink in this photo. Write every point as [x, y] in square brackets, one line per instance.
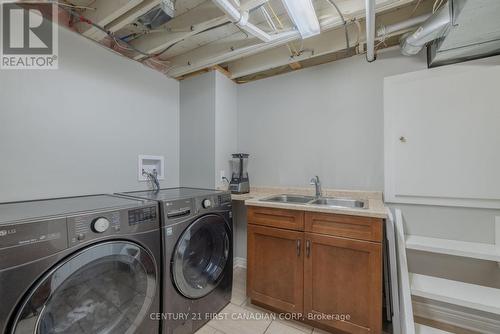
[333, 202]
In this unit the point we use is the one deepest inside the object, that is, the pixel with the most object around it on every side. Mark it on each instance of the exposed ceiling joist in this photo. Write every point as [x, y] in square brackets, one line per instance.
[201, 35]
[203, 17]
[105, 12]
[329, 42]
[231, 48]
[249, 5]
[131, 16]
[160, 41]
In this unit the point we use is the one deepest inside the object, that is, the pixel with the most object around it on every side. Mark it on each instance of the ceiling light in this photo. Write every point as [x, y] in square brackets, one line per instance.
[303, 16]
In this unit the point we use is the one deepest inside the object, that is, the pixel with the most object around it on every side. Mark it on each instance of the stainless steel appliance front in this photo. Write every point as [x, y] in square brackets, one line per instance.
[197, 255]
[74, 266]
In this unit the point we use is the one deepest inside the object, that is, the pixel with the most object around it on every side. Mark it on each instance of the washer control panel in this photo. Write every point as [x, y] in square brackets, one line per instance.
[100, 225]
[206, 203]
[142, 215]
[85, 228]
[214, 201]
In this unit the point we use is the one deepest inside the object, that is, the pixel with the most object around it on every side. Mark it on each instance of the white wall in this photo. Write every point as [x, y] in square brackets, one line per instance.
[208, 110]
[78, 130]
[226, 126]
[325, 120]
[329, 120]
[197, 127]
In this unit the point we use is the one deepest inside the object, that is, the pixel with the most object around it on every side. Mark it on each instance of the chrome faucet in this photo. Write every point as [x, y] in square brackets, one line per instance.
[317, 184]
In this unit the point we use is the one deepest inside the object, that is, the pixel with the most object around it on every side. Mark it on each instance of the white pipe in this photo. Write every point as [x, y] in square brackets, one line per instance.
[241, 20]
[370, 30]
[392, 28]
[233, 13]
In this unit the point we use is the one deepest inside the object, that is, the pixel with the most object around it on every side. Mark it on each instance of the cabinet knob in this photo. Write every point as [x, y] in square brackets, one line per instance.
[402, 139]
[298, 247]
[308, 248]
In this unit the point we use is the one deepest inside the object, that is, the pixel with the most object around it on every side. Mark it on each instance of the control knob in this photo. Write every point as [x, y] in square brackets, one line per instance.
[100, 225]
[206, 203]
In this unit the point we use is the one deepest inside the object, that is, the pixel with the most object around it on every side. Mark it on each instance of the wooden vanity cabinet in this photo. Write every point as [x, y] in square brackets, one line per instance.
[330, 269]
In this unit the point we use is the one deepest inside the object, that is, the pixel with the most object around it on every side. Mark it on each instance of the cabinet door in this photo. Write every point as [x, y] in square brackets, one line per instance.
[443, 150]
[276, 268]
[343, 277]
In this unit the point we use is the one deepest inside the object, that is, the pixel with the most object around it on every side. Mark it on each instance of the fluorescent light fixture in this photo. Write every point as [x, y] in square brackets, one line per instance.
[303, 16]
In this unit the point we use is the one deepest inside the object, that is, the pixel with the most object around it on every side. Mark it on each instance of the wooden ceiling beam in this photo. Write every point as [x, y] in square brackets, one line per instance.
[295, 65]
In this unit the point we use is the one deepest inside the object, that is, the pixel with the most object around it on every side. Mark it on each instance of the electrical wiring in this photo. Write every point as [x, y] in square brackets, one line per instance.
[98, 27]
[358, 27]
[129, 46]
[159, 53]
[415, 8]
[74, 6]
[160, 62]
[268, 19]
[437, 5]
[343, 21]
[292, 52]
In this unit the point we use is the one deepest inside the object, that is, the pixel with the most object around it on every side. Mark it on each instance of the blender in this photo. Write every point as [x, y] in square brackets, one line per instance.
[239, 180]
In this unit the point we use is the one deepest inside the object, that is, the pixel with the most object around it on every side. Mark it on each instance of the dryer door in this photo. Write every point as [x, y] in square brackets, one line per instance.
[201, 256]
[106, 288]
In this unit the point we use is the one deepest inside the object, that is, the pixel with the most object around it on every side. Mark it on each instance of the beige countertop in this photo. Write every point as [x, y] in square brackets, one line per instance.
[376, 207]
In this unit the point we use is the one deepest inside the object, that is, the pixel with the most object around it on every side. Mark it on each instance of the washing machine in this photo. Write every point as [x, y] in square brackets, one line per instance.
[197, 235]
[80, 265]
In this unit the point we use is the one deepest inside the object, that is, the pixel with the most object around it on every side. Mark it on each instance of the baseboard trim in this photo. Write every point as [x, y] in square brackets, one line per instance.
[456, 318]
[240, 262]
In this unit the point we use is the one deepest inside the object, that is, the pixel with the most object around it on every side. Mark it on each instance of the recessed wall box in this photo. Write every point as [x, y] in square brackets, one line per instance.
[151, 163]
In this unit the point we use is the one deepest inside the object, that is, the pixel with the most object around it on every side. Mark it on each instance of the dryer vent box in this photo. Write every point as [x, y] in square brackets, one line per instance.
[151, 163]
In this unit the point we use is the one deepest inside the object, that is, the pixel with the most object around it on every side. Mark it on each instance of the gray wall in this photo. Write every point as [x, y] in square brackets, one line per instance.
[197, 127]
[326, 120]
[79, 130]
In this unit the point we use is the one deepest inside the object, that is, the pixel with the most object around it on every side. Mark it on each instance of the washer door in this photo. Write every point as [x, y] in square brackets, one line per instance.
[201, 255]
[106, 288]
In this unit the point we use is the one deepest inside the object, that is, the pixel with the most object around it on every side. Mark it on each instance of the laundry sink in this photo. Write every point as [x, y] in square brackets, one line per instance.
[293, 199]
[310, 200]
[340, 202]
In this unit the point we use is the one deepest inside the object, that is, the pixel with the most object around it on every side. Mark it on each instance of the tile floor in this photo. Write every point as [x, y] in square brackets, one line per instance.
[256, 321]
[261, 324]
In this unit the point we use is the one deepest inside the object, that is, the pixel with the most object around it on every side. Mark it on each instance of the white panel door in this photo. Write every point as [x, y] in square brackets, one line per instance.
[442, 135]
